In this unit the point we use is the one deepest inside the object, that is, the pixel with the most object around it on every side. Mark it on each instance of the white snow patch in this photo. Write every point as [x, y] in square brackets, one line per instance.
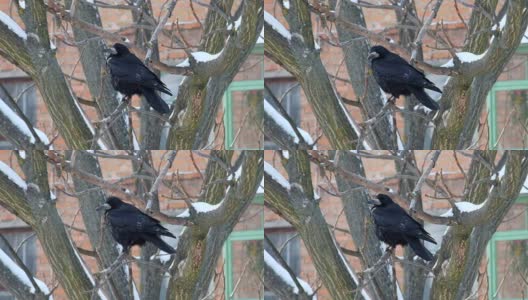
[8, 263]
[86, 271]
[286, 4]
[201, 207]
[12, 25]
[201, 57]
[276, 25]
[12, 175]
[365, 295]
[100, 143]
[22, 4]
[285, 276]
[284, 124]
[353, 124]
[16, 120]
[465, 57]
[271, 171]
[464, 207]
[42, 136]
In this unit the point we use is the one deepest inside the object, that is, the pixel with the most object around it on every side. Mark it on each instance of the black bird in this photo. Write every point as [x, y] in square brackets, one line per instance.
[130, 76]
[130, 226]
[396, 77]
[395, 227]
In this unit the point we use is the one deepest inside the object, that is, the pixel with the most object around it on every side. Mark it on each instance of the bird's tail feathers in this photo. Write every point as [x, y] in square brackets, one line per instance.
[431, 86]
[164, 89]
[420, 249]
[155, 101]
[164, 231]
[427, 101]
[426, 236]
[158, 242]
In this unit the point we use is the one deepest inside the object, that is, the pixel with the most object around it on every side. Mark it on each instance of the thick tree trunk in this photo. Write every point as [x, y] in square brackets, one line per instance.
[59, 249]
[361, 226]
[96, 74]
[90, 196]
[299, 208]
[464, 246]
[200, 246]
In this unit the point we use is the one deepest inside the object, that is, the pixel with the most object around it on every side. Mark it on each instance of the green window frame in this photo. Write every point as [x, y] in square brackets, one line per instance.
[243, 85]
[491, 100]
[491, 251]
[243, 235]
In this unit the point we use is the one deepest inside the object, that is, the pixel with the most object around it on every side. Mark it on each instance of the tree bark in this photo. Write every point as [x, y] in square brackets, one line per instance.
[464, 246]
[200, 96]
[299, 208]
[361, 226]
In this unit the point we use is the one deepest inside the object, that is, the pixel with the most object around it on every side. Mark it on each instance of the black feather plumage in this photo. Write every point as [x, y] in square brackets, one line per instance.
[130, 226]
[131, 77]
[397, 77]
[395, 227]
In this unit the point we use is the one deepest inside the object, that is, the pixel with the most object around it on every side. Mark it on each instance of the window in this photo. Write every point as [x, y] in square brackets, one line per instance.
[508, 255]
[24, 93]
[287, 91]
[242, 249]
[24, 242]
[508, 105]
[287, 242]
[243, 107]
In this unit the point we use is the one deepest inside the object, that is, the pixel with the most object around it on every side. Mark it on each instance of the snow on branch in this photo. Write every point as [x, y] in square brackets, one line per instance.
[463, 207]
[12, 25]
[273, 173]
[6, 113]
[200, 207]
[277, 26]
[12, 175]
[286, 278]
[7, 264]
[281, 121]
[464, 57]
[200, 57]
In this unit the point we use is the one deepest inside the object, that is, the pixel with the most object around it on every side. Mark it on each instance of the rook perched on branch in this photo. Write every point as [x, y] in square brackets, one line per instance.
[130, 76]
[130, 226]
[396, 77]
[395, 227]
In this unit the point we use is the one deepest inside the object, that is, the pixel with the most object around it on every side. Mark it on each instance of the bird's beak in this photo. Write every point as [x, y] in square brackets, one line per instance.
[372, 55]
[105, 206]
[374, 202]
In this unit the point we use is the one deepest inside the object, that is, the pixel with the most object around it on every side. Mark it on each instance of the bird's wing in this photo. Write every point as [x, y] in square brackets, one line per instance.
[131, 69]
[399, 73]
[133, 221]
[397, 220]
